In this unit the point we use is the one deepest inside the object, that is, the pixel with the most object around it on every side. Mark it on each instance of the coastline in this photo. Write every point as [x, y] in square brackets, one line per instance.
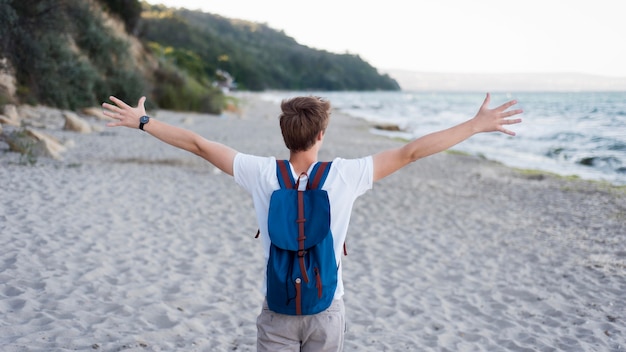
[559, 138]
[130, 244]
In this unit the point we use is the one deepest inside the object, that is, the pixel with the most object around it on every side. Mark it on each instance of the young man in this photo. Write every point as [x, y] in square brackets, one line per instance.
[303, 122]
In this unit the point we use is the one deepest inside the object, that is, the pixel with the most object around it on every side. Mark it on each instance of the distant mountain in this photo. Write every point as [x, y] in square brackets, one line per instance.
[471, 82]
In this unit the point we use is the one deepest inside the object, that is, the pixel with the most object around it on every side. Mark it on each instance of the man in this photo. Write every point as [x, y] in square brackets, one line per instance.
[303, 123]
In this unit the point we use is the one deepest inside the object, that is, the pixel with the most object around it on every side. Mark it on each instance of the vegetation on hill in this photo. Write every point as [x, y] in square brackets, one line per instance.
[75, 53]
[64, 54]
[257, 56]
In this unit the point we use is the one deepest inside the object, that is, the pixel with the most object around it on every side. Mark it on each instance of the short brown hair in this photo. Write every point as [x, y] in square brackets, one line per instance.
[301, 120]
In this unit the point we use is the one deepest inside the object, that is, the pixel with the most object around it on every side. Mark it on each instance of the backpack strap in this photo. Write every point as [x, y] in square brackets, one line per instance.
[316, 179]
[301, 236]
[318, 175]
[285, 179]
[320, 170]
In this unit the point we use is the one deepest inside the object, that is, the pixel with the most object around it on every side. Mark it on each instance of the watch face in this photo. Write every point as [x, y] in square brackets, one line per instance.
[144, 119]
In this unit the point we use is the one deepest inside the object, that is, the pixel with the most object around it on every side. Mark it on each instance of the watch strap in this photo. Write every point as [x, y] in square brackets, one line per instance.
[141, 123]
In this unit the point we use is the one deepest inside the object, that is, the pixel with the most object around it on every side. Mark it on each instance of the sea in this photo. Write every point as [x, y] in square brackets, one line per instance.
[579, 134]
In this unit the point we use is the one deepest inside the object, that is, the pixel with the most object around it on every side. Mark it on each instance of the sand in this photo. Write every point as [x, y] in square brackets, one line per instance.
[128, 244]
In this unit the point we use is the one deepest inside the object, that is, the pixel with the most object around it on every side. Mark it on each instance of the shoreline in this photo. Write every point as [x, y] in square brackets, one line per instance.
[127, 243]
[554, 152]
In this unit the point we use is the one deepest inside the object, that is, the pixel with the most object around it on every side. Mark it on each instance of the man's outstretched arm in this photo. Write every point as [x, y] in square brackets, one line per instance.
[486, 120]
[217, 154]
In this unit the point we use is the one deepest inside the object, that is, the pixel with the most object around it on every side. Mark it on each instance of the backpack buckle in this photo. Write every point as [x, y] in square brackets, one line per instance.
[301, 253]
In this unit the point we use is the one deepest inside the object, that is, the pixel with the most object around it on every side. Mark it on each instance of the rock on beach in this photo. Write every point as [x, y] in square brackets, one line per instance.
[31, 130]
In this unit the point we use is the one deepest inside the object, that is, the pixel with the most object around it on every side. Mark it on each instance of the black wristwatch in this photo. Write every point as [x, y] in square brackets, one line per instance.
[143, 120]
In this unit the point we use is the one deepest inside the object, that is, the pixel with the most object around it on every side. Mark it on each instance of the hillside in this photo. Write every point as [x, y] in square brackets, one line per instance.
[75, 53]
[66, 53]
[255, 55]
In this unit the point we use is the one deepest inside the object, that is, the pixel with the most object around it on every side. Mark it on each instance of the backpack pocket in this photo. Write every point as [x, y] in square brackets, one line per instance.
[283, 218]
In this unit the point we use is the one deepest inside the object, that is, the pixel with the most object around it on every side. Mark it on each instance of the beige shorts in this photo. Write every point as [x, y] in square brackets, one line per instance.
[322, 332]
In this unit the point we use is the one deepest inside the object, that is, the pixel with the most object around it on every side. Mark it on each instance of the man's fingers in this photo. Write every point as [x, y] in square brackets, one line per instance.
[512, 113]
[119, 103]
[504, 130]
[506, 105]
[486, 101]
[110, 114]
[511, 121]
[142, 100]
[111, 108]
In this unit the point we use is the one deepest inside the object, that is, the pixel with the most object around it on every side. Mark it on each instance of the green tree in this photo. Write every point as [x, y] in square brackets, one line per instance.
[128, 10]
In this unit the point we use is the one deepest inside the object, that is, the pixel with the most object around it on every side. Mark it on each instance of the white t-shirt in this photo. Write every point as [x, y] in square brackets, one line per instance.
[346, 181]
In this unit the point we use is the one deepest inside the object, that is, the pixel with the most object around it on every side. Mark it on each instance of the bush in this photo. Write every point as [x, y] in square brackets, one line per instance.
[178, 91]
[128, 10]
[8, 19]
[64, 55]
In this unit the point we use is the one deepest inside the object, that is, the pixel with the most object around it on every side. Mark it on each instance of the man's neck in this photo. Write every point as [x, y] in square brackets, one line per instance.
[301, 161]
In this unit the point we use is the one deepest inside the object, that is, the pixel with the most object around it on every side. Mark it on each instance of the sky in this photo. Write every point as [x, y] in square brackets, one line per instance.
[450, 36]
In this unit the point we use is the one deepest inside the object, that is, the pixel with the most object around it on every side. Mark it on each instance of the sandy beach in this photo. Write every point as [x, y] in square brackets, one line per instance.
[128, 244]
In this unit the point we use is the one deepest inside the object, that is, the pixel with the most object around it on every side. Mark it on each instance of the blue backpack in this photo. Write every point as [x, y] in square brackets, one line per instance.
[302, 269]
